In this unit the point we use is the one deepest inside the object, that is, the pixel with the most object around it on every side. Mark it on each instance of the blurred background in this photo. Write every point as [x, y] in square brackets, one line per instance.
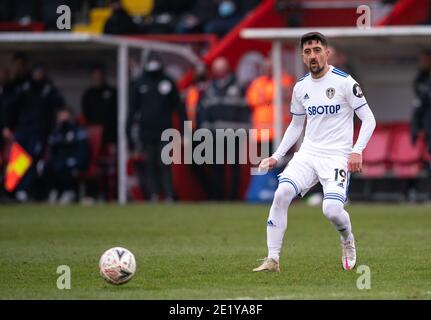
[81, 117]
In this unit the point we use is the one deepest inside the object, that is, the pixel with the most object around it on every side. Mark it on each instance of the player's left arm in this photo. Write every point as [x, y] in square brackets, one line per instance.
[368, 123]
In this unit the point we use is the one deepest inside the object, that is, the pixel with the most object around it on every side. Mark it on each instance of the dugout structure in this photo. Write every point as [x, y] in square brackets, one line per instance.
[384, 59]
[66, 49]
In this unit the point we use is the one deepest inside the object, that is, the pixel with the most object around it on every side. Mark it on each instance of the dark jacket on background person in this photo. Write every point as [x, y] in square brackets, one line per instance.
[31, 117]
[33, 109]
[16, 82]
[6, 98]
[119, 23]
[223, 106]
[99, 106]
[153, 99]
[421, 119]
[68, 148]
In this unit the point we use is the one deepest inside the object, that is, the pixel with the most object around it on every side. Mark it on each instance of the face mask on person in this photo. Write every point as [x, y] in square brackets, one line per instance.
[226, 8]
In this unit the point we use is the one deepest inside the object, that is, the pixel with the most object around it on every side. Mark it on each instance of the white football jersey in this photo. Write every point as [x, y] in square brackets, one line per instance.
[329, 104]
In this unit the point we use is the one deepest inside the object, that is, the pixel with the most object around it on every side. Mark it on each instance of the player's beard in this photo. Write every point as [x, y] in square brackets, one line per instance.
[315, 69]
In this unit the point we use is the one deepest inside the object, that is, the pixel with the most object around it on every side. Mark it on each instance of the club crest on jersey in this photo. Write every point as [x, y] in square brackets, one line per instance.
[330, 92]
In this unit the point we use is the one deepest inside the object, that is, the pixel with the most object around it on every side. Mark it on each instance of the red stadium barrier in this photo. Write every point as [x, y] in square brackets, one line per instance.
[406, 157]
[14, 26]
[407, 12]
[375, 155]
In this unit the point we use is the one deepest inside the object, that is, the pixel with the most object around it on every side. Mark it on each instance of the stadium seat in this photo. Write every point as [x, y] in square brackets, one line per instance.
[85, 28]
[98, 17]
[100, 14]
[375, 155]
[406, 157]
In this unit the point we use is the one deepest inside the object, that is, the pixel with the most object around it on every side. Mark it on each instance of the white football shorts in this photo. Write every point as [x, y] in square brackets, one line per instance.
[304, 170]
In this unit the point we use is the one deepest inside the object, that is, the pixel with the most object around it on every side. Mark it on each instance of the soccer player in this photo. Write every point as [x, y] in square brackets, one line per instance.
[328, 98]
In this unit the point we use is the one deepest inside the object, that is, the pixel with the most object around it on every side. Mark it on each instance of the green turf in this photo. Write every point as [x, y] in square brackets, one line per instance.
[207, 251]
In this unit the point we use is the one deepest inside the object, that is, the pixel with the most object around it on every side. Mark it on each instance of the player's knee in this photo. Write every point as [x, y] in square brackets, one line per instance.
[332, 208]
[284, 194]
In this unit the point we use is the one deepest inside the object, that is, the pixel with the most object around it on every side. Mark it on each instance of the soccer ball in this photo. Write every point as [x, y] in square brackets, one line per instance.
[117, 265]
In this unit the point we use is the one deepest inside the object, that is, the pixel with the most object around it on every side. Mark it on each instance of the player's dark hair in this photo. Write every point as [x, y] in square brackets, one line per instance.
[314, 36]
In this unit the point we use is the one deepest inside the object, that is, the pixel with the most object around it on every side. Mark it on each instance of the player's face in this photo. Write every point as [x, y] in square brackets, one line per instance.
[315, 56]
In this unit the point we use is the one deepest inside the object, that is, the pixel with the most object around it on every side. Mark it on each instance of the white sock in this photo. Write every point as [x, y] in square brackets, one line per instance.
[277, 220]
[339, 218]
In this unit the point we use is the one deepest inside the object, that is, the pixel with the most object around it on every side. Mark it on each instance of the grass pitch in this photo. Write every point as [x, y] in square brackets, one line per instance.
[207, 251]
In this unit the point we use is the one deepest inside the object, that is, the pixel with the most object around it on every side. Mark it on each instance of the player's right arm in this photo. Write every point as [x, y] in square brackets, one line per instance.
[359, 104]
[292, 134]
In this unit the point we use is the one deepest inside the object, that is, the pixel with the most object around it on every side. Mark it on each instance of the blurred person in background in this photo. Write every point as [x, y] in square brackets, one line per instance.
[421, 118]
[20, 71]
[29, 120]
[292, 11]
[194, 94]
[193, 20]
[11, 85]
[249, 68]
[339, 60]
[223, 106]
[227, 16]
[6, 94]
[166, 14]
[5, 97]
[99, 107]
[260, 98]
[67, 156]
[154, 99]
[134, 67]
[120, 22]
